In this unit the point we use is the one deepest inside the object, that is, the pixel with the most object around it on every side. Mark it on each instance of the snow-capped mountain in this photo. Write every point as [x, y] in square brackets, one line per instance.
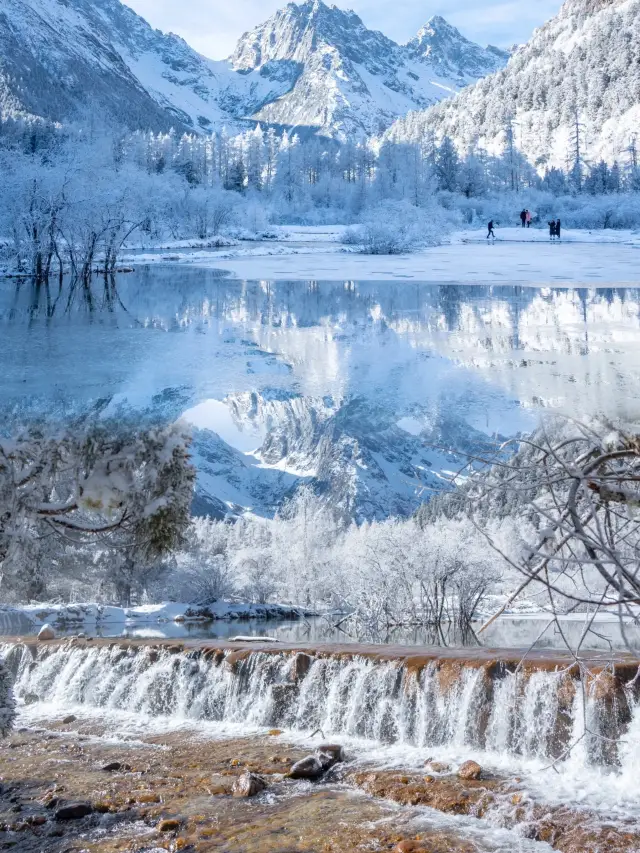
[453, 56]
[66, 59]
[347, 78]
[309, 66]
[578, 76]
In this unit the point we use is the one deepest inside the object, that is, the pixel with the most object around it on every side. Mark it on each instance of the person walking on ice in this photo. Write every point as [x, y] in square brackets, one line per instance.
[491, 232]
[558, 228]
[523, 218]
[552, 229]
[528, 212]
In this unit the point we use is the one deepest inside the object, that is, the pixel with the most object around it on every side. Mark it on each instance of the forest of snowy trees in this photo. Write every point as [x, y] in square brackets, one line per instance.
[74, 197]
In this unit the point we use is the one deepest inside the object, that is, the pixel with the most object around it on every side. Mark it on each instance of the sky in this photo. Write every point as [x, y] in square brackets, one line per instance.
[214, 26]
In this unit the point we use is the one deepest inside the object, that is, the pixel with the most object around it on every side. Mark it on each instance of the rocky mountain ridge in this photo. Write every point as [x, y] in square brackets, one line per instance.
[310, 66]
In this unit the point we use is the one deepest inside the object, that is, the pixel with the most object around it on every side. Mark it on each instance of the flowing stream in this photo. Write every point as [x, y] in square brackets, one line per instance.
[395, 710]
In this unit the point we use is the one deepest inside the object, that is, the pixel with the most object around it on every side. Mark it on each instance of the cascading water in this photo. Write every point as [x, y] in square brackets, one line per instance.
[457, 706]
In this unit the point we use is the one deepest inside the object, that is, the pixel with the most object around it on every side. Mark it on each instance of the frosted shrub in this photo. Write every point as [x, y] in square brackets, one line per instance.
[397, 227]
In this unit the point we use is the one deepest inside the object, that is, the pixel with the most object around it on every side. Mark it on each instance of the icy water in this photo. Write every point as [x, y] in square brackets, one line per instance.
[162, 341]
[519, 632]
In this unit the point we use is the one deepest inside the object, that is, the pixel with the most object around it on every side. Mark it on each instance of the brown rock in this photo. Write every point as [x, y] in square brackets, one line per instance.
[470, 770]
[408, 846]
[300, 666]
[307, 768]
[248, 785]
[168, 825]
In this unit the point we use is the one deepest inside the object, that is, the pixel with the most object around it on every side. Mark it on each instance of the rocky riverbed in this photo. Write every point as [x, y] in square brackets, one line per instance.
[70, 787]
[75, 785]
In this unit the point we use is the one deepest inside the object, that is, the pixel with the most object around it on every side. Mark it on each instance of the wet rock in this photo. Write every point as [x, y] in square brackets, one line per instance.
[248, 785]
[73, 811]
[117, 766]
[168, 825]
[328, 755]
[70, 719]
[31, 698]
[409, 846]
[307, 768]
[470, 770]
[300, 666]
[333, 750]
[46, 633]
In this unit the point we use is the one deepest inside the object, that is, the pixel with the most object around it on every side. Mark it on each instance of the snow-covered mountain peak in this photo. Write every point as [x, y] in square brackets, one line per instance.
[451, 54]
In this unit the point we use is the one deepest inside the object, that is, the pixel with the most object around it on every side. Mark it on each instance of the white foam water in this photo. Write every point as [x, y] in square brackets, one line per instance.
[581, 749]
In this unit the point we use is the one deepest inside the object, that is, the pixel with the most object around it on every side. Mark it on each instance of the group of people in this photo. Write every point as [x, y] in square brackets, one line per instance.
[525, 218]
[554, 226]
[554, 229]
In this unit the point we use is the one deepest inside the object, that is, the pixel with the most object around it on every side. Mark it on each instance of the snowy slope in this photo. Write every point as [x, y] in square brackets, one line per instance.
[581, 69]
[310, 65]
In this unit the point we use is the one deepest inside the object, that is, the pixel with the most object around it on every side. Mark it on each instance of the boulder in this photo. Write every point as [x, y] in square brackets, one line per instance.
[73, 811]
[46, 633]
[248, 785]
[470, 770]
[307, 768]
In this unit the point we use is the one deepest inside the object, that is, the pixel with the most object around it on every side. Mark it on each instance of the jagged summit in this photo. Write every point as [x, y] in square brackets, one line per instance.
[309, 65]
[448, 51]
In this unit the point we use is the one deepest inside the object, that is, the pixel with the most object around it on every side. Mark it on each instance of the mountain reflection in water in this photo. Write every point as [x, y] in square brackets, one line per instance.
[288, 380]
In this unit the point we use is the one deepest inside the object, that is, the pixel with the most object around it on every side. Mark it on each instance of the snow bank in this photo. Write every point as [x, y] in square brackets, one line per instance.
[30, 618]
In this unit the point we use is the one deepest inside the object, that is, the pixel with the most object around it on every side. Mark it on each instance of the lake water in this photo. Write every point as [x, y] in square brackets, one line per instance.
[162, 341]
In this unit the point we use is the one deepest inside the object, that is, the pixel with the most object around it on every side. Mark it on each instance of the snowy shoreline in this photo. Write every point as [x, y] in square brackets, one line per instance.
[517, 257]
[91, 616]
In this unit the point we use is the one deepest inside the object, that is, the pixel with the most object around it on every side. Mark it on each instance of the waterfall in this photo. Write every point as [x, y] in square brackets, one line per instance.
[454, 704]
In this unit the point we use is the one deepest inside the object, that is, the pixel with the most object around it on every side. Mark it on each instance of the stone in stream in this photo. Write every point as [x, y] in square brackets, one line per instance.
[73, 811]
[309, 768]
[282, 697]
[31, 698]
[70, 719]
[300, 666]
[168, 825]
[248, 785]
[470, 770]
[46, 633]
[329, 754]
